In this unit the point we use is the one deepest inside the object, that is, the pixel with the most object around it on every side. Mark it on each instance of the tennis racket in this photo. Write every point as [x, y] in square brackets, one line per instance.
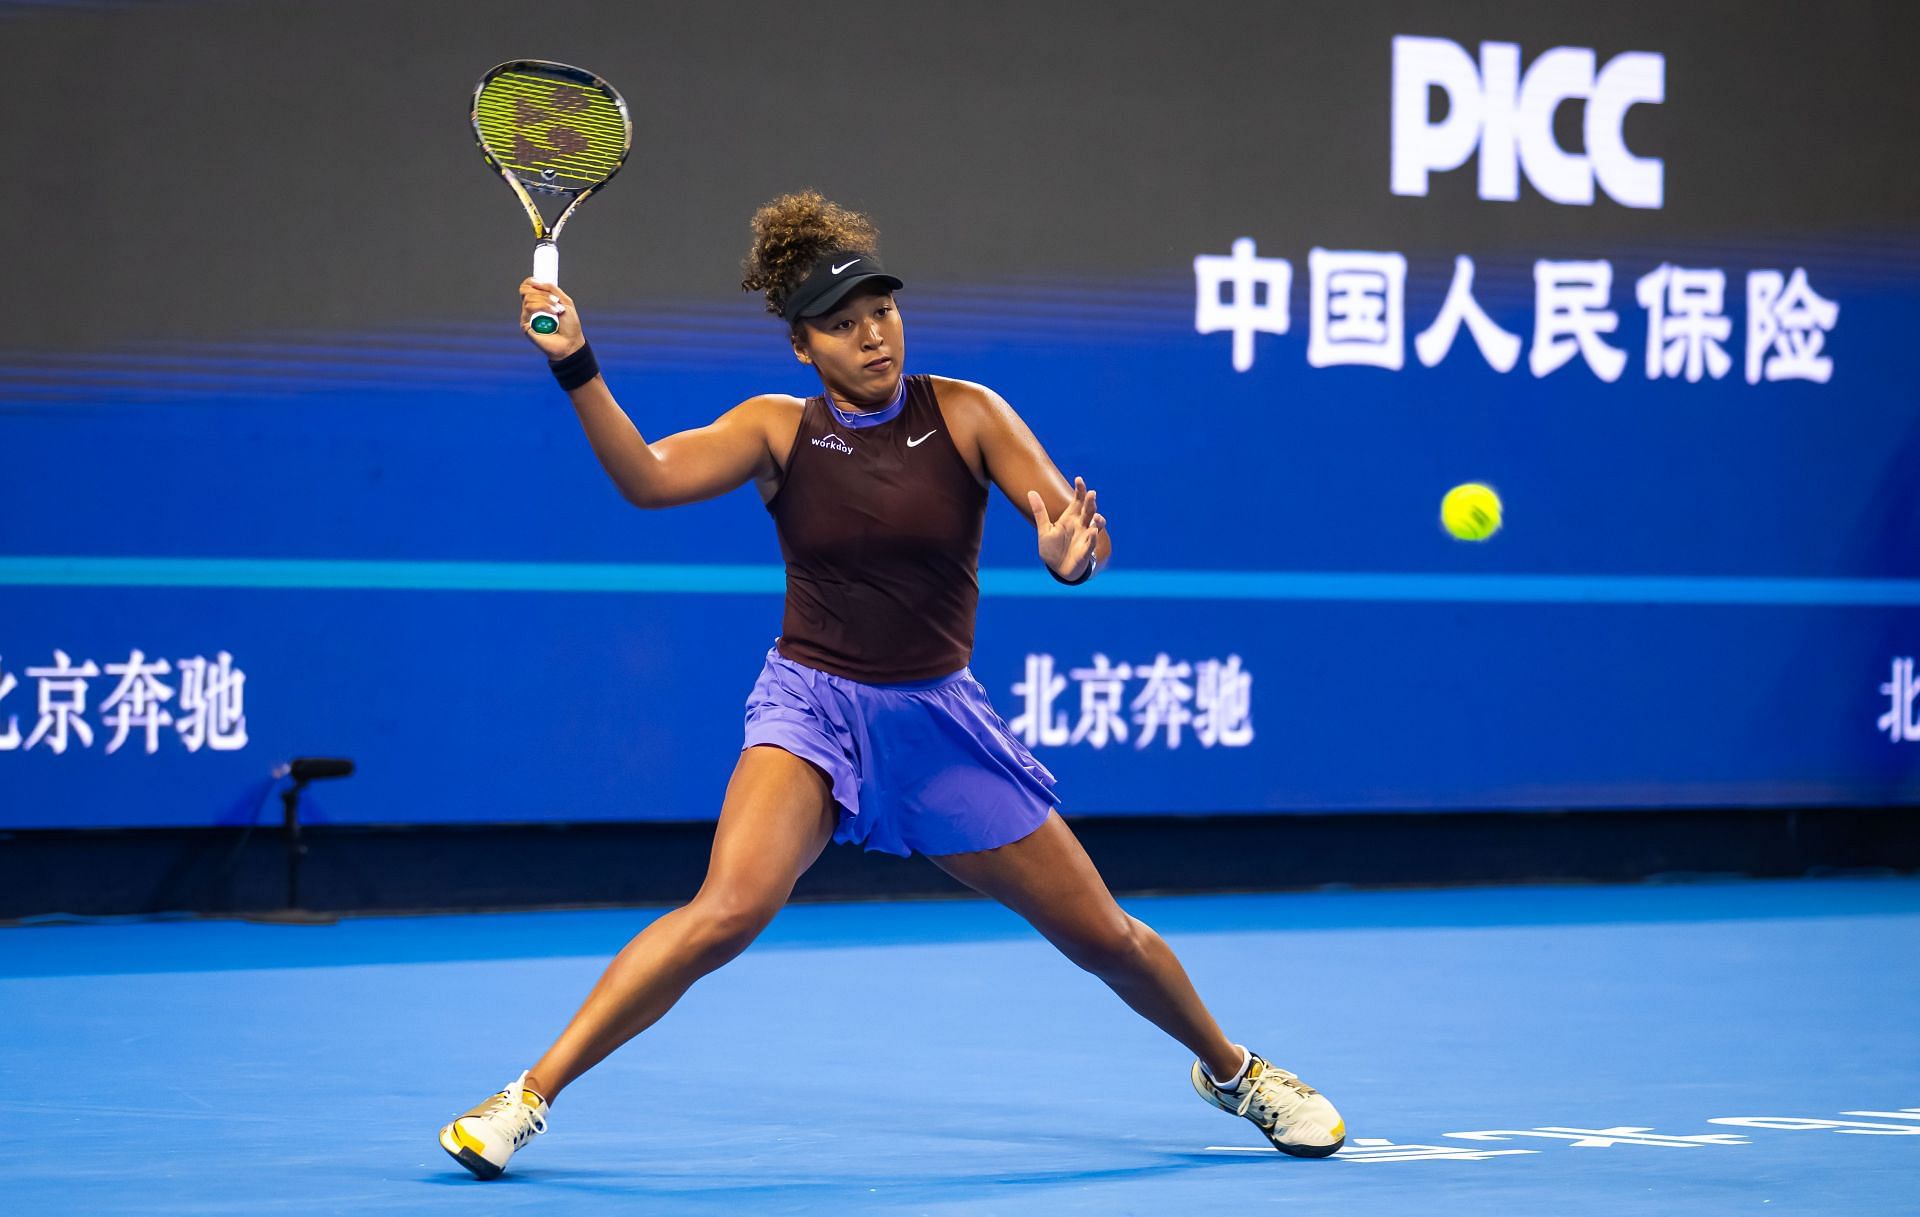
[556, 134]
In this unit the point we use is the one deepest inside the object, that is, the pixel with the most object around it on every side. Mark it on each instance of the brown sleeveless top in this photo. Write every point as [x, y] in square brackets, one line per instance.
[880, 527]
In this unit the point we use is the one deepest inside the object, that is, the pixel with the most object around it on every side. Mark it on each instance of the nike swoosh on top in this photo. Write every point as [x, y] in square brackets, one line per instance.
[843, 266]
[929, 435]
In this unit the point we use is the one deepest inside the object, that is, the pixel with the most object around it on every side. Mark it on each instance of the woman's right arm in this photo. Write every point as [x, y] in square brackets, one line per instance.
[685, 467]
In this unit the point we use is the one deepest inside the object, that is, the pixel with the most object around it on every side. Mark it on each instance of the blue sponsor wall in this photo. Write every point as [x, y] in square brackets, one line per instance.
[254, 405]
[402, 540]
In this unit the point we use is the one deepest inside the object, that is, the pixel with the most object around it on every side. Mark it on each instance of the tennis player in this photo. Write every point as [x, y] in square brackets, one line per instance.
[865, 724]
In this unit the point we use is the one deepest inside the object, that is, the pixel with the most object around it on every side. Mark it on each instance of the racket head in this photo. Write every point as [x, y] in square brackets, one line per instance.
[550, 129]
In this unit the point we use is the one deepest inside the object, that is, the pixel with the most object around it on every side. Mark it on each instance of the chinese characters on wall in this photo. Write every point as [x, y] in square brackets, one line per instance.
[203, 707]
[1357, 315]
[1140, 705]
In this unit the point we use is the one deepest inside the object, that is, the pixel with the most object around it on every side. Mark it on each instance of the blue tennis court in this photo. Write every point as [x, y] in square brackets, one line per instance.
[1737, 1047]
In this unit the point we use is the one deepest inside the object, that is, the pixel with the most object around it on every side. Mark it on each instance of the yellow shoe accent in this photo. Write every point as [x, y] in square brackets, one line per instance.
[467, 1139]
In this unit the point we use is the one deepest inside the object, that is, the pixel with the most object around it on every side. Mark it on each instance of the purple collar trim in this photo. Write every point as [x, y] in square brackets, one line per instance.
[872, 418]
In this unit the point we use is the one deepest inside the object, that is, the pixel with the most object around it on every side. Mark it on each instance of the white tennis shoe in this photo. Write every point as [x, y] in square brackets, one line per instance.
[483, 1139]
[1294, 1116]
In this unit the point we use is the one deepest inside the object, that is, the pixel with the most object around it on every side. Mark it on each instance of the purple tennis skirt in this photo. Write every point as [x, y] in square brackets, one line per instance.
[925, 767]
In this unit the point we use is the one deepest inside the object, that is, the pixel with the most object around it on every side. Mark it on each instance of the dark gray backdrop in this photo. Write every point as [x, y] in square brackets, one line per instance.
[206, 170]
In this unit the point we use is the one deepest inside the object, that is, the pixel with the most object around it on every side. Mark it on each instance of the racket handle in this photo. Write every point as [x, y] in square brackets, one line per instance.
[546, 269]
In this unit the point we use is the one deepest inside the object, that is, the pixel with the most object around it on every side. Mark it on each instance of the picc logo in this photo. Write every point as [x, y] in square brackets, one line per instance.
[1508, 116]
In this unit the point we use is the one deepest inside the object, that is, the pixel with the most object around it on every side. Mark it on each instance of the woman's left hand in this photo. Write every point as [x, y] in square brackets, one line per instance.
[1067, 544]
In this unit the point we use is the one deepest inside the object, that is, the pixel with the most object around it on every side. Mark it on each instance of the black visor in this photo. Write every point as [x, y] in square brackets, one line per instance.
[832, 278]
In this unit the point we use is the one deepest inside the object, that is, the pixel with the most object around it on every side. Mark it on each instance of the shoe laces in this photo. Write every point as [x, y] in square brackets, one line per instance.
[510, 1107]
[1273, 1095]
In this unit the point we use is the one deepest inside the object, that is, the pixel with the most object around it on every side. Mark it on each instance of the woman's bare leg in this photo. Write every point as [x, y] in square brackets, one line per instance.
[777, 817]
[1047, 878]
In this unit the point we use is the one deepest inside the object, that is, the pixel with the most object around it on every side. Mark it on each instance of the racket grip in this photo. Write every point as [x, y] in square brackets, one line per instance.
[546, 269]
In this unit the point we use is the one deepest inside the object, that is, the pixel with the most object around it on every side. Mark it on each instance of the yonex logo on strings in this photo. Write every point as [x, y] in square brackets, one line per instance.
[559, 139]
[834, 442]
[1508, 116]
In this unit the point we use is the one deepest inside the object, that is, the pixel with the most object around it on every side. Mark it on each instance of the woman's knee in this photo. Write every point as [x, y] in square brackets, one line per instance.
[1116, 945]
[723, 924]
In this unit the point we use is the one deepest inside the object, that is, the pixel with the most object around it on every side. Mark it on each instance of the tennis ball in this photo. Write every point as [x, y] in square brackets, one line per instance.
[1471, 512]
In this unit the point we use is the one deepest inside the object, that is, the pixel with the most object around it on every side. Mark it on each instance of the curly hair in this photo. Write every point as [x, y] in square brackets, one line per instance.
[790, 234]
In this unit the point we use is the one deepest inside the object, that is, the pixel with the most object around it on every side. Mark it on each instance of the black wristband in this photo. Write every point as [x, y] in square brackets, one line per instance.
[1084, 575]
[576, 369]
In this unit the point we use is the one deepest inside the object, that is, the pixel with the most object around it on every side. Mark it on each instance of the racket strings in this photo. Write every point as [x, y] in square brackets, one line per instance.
[549, 131]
